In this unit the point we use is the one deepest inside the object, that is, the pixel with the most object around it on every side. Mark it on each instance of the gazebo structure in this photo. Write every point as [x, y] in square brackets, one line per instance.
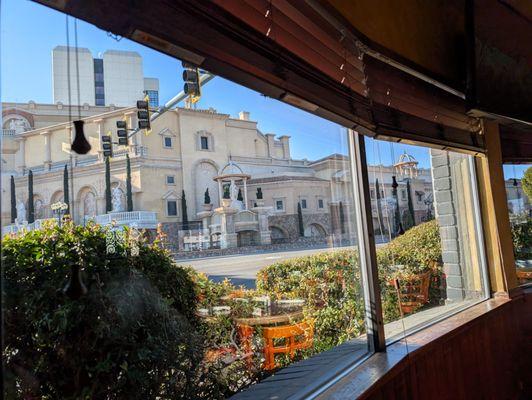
[406, 166]
[233, 224]
[228, 178]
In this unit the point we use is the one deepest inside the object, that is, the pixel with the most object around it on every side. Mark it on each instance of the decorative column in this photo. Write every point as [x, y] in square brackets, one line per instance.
[47, 150]
[245, 195]
[220, 192]
[21, 154]
[99, 129]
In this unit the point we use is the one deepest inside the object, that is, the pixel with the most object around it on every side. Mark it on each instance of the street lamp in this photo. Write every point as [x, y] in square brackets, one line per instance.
[59, 209]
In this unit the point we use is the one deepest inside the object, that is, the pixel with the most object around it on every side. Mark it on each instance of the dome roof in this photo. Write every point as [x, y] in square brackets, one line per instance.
[231, 168]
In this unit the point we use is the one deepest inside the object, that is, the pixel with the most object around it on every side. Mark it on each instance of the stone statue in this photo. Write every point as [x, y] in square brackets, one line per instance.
[89, 205]
[116, 199]
[233, 190]
[21, 212]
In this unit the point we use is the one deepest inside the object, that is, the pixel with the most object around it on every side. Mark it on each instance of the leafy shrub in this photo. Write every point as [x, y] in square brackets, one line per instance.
[522, 239]
[133, 335]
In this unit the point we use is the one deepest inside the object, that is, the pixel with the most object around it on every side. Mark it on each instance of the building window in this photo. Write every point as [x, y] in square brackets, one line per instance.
[204, 143]
[167, 142]
[170, 179]
[372, 193]
[419, 196]
[153, 98]
[403, 194]
[304, 203]
[279, 205]
[171, 208]
[320, 204]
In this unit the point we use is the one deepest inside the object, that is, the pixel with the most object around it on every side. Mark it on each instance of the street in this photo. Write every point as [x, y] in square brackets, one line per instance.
[242, 269]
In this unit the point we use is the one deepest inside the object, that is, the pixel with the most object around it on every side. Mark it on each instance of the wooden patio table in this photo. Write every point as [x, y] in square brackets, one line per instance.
[270, 319]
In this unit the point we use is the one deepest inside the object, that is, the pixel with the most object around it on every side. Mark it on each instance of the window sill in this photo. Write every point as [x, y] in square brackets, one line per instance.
[362, 378]
[348, 370]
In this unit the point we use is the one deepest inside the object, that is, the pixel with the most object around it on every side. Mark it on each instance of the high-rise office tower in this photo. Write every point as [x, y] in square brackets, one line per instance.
[116, 78]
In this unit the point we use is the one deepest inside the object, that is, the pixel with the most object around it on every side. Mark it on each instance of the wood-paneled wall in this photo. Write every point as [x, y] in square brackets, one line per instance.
[484, 352]
[489, 358]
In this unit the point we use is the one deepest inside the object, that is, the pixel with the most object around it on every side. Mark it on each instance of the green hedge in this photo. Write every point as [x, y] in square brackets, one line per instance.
[331, 279]
[522, 239]
[134, 334]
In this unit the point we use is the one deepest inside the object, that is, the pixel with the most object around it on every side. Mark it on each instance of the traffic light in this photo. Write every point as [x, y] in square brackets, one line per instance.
[192, 86]
[122, 133]
[143, 114]
[107, 146]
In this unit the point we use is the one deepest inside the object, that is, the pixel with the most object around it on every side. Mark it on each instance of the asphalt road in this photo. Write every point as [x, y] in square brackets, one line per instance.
[242, 269]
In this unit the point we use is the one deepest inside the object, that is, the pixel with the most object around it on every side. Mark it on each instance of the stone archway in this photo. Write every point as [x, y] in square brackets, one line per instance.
[315, 230]
[204, 174]
[87, 202]
[278, 235]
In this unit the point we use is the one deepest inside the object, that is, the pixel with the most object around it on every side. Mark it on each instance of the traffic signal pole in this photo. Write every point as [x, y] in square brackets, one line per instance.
[174, 101]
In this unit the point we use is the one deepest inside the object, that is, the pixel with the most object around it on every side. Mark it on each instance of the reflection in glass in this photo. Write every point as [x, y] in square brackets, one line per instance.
[425, 219]
[518, 180]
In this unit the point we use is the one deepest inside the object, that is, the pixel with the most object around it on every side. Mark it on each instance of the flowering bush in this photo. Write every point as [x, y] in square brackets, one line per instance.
[133, 335]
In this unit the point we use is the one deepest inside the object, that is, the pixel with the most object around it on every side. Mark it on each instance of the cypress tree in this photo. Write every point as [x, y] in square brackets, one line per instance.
[108, 202]
[342, 217]
[129, 193]
[379, 207]
[66, 197]
[31, 209]
[206, 197]
[13, 201]
[184, 210]
[239, 196]
[300, 220]
[411, 213]
[398, 225]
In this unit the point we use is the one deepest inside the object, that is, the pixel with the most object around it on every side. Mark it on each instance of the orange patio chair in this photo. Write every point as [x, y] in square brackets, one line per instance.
[296, 337]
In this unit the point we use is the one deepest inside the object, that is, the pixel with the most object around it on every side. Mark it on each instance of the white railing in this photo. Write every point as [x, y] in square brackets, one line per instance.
[139, 219]
[15, 228]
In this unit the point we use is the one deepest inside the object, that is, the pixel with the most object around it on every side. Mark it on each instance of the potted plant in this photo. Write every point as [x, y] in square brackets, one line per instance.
[226, 200]
[412, 288]
[207, 206]
[259, 202]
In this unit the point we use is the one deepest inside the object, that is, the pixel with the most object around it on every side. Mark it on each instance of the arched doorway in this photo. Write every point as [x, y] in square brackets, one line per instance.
[315, 230]
[278, 235]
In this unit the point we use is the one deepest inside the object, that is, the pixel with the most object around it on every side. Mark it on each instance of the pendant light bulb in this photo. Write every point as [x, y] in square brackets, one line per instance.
[80, 144]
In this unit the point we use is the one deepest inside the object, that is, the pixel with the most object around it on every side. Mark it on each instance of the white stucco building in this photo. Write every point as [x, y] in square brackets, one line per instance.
[116, 78]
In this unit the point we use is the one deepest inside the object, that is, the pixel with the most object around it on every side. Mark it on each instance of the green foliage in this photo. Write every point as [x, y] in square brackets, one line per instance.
[226, 195]
[134, 335]
[13, 200]
[108, 200]
[129, 193]
[300, 220]
[411, 216]
[526, 182]
[522, 239]
[31, 207]
[66, 191]
[184, 211]
[418, 249]
[206, 197]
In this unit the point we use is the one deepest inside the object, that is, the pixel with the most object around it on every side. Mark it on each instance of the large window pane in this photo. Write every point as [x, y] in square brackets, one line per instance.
[425, 217]
[196, 260]
[518, 180]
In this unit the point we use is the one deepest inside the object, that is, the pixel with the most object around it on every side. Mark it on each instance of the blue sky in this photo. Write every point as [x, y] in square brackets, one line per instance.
[30, 31]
